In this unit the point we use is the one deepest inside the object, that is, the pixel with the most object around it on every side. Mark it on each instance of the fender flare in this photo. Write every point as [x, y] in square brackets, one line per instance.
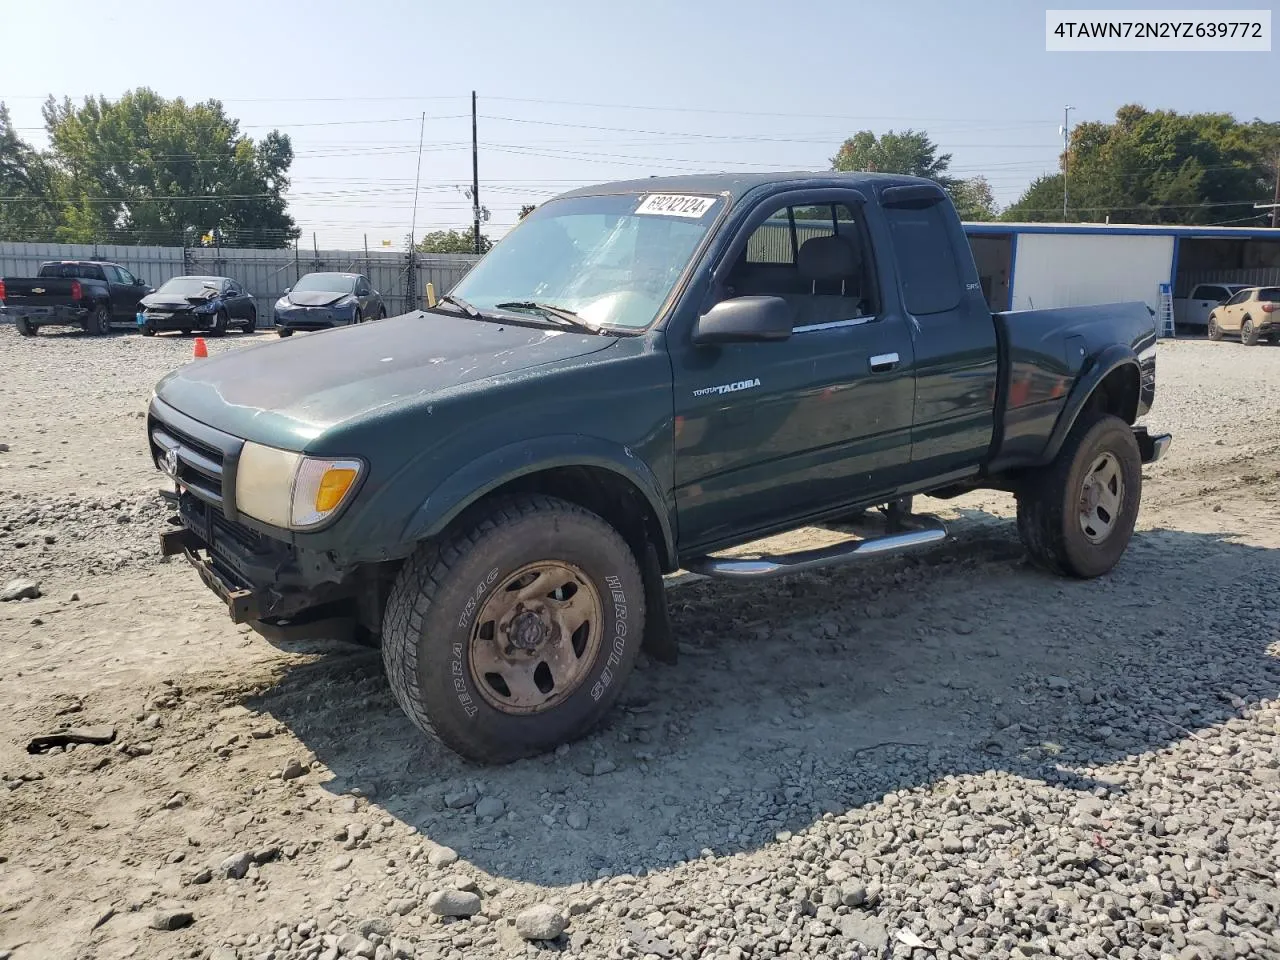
[1102, 366]
[487, 473]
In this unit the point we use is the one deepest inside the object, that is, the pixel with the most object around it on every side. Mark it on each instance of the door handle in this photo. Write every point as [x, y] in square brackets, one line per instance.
[883, 362]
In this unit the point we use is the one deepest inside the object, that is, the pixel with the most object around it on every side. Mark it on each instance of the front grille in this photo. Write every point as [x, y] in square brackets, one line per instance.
[205, 457]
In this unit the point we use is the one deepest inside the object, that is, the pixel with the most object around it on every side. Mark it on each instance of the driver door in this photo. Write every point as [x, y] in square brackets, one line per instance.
[769, 433]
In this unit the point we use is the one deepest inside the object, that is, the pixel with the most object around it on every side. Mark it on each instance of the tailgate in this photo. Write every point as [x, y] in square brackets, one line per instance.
[37, 291]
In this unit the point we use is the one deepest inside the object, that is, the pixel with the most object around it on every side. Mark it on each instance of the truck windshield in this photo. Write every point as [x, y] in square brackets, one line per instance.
[612, 260]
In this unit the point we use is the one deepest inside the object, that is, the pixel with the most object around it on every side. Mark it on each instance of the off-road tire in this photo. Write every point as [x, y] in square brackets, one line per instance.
[444, 586]
[1248, 333]
[1048, 516]
[99, 322]
[1215, 331]
[25, 327]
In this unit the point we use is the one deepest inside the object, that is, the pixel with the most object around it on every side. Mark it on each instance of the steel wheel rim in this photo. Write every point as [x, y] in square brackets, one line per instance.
[536, 637]
[1101, 498]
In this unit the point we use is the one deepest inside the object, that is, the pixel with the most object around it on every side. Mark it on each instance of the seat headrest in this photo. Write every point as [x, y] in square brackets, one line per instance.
[827, 258]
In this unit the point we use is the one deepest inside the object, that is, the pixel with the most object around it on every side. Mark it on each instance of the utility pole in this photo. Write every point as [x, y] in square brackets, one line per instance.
[475, 175]
[411, 258]
[1275, 201]
[1066, 154]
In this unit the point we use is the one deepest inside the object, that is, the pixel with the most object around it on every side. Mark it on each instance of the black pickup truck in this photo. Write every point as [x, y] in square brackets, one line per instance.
[90, 294]
[638, 377]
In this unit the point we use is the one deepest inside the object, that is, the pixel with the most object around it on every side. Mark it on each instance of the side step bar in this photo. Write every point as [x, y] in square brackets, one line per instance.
[927, 530]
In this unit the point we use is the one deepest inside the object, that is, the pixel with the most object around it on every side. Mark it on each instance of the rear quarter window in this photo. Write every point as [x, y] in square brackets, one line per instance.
[926, 261]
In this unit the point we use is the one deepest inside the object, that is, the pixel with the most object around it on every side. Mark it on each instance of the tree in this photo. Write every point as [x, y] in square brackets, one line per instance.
[1159, 167]
[913, 153]
[144, 169]
[910, 152]
[973, 199]
[27, 208]
[452, 241]
[527, 209]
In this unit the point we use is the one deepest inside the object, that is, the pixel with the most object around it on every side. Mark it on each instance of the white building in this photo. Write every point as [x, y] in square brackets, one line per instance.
[1027, 266]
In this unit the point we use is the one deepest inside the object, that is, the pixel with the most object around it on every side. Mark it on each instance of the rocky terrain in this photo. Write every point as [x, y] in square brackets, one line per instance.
[945, 755]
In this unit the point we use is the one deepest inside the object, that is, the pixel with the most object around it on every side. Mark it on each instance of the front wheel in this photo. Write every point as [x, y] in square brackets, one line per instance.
[1076, 515]
[1248, 333]
[251, 324]
[1215, 331]
[219, 325]
[516, 633]
[149, 329]
[282, 332]
[356, 318]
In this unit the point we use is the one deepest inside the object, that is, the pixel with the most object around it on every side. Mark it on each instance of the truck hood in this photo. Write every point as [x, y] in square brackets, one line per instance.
[288, 392]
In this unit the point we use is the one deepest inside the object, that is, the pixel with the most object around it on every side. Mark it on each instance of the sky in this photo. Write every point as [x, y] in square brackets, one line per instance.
[572, 92]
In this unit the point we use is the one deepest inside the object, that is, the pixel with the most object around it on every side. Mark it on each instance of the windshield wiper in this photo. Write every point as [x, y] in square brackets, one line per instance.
[461, 304]
[562, 315]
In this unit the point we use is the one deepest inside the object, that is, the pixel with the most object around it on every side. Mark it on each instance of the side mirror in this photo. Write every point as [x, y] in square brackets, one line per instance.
[745, 320]
[287, 289]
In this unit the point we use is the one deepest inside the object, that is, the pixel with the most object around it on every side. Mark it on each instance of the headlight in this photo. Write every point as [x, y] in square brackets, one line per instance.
[206, 308]
[287, 489]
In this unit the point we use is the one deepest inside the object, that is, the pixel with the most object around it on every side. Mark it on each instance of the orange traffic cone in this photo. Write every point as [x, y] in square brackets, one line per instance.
[201, 349]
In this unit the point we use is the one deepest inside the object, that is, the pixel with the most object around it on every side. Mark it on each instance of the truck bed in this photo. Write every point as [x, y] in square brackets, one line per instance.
[1043, 353]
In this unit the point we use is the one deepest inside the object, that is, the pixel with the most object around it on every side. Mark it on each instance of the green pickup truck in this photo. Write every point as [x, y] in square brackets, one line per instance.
[636, 379]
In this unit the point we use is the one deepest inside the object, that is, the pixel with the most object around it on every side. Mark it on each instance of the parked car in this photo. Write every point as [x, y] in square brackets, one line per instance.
[1253, 314]
[91, 294]
[620, 389]
[211, 304]
[322, 300]
[1193, 310]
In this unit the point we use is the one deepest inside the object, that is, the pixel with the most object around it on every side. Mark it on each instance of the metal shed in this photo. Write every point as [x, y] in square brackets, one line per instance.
[1038, 265]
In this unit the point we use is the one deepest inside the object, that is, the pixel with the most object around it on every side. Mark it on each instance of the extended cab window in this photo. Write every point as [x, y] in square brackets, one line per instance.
[1216, 294]
[926, 261]
[812, 256]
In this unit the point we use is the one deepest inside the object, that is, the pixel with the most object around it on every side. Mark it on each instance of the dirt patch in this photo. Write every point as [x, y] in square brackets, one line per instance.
[947, 749]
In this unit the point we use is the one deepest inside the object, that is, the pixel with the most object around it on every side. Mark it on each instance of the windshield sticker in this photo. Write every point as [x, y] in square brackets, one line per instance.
[672, 205]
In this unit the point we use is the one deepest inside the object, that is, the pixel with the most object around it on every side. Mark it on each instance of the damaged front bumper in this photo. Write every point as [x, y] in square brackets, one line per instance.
[256, 576]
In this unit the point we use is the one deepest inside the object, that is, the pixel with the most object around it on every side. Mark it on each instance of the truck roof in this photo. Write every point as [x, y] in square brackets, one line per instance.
[737, 185]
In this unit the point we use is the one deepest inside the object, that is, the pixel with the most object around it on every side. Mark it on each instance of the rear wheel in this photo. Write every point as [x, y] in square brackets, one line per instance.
[99, 323]
[1215, 331]
[515, 633]
[1248, 333]
[25, 326]
[1076, 515]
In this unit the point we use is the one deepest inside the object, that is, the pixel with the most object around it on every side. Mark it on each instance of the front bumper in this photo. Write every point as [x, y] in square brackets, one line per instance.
[1153, 447]
[313, 318]
[176, 321]
[256, 576]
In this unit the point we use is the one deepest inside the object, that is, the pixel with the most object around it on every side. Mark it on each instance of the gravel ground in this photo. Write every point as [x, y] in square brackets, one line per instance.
[946, 755]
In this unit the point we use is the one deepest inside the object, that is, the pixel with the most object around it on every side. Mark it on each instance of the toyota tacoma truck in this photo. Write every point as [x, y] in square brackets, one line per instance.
[90, 294]
[636, 379]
